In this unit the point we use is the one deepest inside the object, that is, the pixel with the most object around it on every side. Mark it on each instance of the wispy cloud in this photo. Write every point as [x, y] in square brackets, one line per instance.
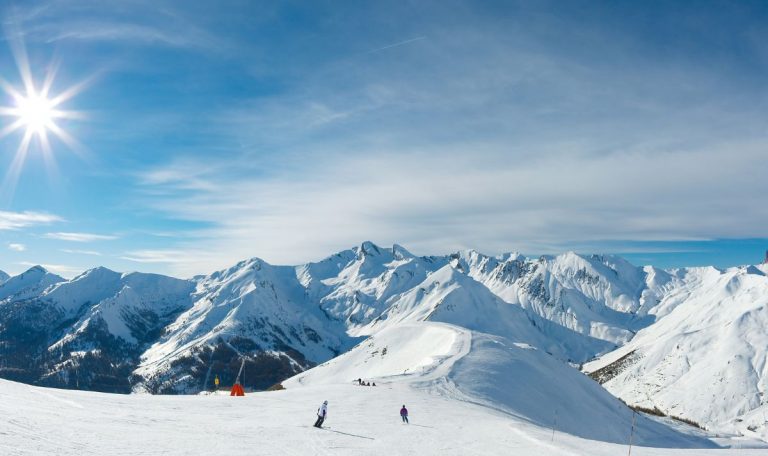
[81, 252]
[466, 201]
[93, 21]
[99, 30]
[181, 175]
[80, 237]
[158, 256]
[18, 220]
[17, 247]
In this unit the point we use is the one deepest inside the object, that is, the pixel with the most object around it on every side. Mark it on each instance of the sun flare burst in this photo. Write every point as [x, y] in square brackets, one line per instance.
[37, 113]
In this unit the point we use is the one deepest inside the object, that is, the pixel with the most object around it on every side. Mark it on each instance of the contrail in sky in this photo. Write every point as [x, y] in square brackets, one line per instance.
[390, 46]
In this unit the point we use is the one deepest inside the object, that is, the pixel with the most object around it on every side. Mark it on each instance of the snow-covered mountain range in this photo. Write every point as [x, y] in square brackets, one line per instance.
[690, 342]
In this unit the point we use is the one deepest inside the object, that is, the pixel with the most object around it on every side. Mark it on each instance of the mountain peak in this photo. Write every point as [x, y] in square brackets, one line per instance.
[510, 256]
[27, 284]
[400, 252]
[368, 248]
[449, 273]
[96, 273]
[36, 269]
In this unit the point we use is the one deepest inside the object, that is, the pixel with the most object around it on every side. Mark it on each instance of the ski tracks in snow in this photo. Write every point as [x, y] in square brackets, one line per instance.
[41, 392]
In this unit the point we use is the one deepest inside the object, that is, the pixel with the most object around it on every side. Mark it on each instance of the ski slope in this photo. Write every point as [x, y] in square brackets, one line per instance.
[510, 377]
[467, 393]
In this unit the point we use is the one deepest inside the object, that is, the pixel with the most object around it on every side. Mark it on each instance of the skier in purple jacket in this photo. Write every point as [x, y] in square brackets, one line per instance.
[404, 414]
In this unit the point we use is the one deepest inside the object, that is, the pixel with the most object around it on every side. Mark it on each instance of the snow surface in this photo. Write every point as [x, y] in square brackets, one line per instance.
[510, 377]
[705, 360]
[596, 295]
[432, 368]
[449, 296]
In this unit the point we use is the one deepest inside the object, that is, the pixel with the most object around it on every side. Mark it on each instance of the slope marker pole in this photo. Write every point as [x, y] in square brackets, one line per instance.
[241, 371]
[208, 374]
[631, 432]
[554, 425]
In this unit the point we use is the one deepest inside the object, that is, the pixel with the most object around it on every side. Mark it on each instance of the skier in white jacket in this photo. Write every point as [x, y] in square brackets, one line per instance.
[322, 412]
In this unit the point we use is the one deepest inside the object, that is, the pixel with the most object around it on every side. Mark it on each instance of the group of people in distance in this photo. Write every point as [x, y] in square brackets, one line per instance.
[362, 383]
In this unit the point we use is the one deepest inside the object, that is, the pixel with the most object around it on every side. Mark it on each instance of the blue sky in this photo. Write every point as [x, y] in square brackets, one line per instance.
[215, 131]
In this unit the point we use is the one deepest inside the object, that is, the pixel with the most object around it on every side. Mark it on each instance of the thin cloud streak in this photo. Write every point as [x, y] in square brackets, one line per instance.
[19, 220]
[136, 34]
[401, 43]
[81, 252]
[167, 27]
[79, 237]
[157, 256]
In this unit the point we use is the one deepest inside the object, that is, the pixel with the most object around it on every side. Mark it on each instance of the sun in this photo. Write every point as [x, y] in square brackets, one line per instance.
[36, 112]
